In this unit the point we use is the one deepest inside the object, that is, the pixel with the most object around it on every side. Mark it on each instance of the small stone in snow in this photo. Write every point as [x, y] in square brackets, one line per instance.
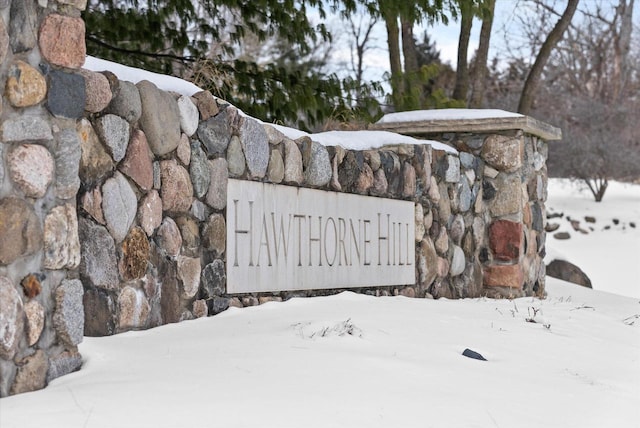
[473, 354]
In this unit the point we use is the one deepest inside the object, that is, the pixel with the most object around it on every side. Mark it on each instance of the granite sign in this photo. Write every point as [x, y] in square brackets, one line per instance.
[282, 238]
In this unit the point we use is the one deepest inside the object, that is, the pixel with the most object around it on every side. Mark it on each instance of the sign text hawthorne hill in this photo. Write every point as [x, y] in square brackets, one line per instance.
[282, 238]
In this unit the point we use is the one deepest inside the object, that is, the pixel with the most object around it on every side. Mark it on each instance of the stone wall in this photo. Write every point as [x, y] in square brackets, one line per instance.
[113, 200]
[41, 312]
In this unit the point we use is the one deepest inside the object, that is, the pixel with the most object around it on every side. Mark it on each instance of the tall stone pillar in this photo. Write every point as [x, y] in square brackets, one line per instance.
[41, 316]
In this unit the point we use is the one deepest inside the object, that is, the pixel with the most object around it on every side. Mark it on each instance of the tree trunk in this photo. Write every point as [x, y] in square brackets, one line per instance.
[462, 72]
[480, 74]
[393, 41]
[598, 187]
[533, 79]
[412, 87]
[622, 44]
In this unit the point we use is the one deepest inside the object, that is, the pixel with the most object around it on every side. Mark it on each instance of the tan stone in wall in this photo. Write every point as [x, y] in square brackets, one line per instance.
[25, 86]
[62, 40]
[503, 276]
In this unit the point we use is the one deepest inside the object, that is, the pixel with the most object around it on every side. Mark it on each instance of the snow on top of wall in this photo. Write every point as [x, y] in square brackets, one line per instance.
[135, 75]
[446, 114]
[354, 140]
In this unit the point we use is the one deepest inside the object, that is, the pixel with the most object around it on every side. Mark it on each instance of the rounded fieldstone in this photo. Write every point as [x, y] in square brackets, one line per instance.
[150, 212]
[189, 270]
[168, 237]
[274, 136]
[442, 242]
[23, 26]
[214, 279]
[199, 170]
[502, 153]
[508, 195]
[183, 151]
[318, 165]
[68, 317]
[119, 206]
[190, 233]
[160, 119]
[206, 103]
[200, 308]
[114, 133]
[126, 102]
[409, 180]
[135, 255]
[66, 96]
[20, 231]
[31, 168]
[189, 117]
[215, 234]
[61, 241]
[25, 85]
[97, 90]
[176, 190]
[215, 133]
[292, 163]
[235, 157]
[95, 162]
[67, 156]
[255, 145]
[380, 184]
[276, 167]
[217, 194]
[62, 40]
[458, 262]
[419, 220]
[34, 314]
[199, 210]
[91, 202]
[11, 318]
[133, 309]
[32, 373]
[466, 196]
[137, 163]
[456, 230]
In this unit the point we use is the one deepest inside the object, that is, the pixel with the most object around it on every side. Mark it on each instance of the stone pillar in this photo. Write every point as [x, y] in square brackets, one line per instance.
[41, 316]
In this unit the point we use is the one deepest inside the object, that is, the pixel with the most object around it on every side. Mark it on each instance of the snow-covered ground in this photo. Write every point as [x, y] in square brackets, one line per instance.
[357, 361]
[609, 253]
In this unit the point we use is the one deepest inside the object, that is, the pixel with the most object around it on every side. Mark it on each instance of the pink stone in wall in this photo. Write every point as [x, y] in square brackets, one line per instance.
[31, 168]
[97, 90]
[505, 239]
[62, 40]
[137, 163]
[177, 190]
[150, 212]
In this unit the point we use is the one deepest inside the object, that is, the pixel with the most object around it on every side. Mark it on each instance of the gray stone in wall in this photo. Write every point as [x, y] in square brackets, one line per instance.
[537, 217]
[4, 41]
[215, 133]
[99, 313]
[61, 241]
[292, 163]
[503, 153]
[255, 144]
[126, 102]
[114, 133]
[217, 194]
[276, 167]
[63, 364]
[67, 159]
[199, 210]
[468, 160]
[317, 164]
[68, 317]
[428, 262]
[235, 157]
[214, 234]
[452, 169]
[169, 238]
[1, 163]
[190, 233]
[189, 116]
[213, 279]
[11, 318]
[66, 94]
[20, 230]
[34, 315]
[26, 128]
[119, 205]
[456, 230]
[150, 212]
[350, 169]
[32, 372]
[466, 196]
[98, 265]
[23, 26]
[199, 170]
[160, 119]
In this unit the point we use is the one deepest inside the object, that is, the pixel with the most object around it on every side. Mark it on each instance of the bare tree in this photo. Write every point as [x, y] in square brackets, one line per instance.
[480, 72]
[533, 79]
[462, 69]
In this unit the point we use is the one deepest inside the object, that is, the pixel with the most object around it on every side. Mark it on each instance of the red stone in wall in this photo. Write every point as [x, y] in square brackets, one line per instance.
[503, 276]
[505, 239]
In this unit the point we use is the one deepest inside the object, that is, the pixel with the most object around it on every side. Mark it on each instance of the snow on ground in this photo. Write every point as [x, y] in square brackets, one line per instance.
[446, 114]
[351, 360]
[609, 253]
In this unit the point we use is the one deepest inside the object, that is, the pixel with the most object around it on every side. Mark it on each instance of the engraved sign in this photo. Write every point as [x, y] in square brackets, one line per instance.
[283, 238]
